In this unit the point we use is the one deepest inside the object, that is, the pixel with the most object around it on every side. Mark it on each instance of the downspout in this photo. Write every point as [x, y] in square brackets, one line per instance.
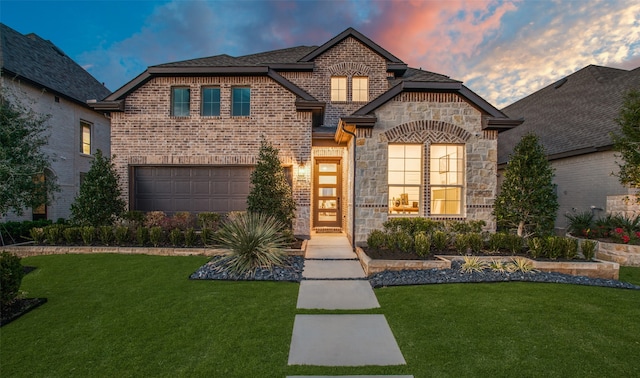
[353, 190]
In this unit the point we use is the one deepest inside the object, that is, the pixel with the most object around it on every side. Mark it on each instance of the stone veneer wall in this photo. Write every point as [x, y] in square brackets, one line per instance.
[425, 118]
[146, 133]
[625, 205]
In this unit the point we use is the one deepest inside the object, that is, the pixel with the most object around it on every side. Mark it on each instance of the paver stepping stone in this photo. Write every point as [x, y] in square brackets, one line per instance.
[336, 295]
[327, 269]
[330, 252]
[343, 340]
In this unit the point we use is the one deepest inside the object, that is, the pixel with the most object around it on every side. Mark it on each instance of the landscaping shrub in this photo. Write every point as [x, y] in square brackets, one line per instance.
[122, 235]
[536, 247]
[554, 247]
[53, 234]
[460, 243]
[588, 248]
[134, 218]
[18, 232]
[88, 234]
[175, 237]
[105, 235]
[422, 244]
[404, 241]
[498, 266]
[156, 236]
[155, 219]
[142, 236]
[496, 241]
[99, 201]
[37, 235]
[270, 192]
[570, 248]
[580, 223]
[473, 264]
[182, 220]
[513, 243]
[440, 240]
[11, 273]
[206, 235]
[376, 239]
[190, 237]
[475, 241]
[71, 235]
[520, 265]
[210, 221]
[253, 240]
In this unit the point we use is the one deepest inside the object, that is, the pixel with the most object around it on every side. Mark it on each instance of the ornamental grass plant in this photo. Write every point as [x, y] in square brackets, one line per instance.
[254, 240]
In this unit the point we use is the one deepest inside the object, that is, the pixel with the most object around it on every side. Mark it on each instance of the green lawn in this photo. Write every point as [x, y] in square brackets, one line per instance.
[135, 315]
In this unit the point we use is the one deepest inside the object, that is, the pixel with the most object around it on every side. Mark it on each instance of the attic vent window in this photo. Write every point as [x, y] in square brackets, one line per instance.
[560, 83]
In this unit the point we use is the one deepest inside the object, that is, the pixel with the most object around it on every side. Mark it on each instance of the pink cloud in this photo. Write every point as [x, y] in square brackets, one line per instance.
[438, 33]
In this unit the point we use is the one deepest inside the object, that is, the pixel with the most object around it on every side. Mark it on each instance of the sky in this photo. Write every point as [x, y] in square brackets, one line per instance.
[501, 49]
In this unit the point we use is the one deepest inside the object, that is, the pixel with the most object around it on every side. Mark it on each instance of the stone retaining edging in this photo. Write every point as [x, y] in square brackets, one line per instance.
[595, 269]
[37, 250]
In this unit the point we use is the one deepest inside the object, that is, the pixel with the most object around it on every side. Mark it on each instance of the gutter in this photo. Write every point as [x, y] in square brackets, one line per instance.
[353, 189]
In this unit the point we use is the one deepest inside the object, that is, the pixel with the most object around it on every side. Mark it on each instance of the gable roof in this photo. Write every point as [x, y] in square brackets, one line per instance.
[572, 116]
[42, 64]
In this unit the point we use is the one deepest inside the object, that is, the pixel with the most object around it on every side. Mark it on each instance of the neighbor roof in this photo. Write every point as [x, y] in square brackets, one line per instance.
[40, 62]
[572, 116]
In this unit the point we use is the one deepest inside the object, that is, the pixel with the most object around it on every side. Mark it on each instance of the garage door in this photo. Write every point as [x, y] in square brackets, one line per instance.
[193, 189]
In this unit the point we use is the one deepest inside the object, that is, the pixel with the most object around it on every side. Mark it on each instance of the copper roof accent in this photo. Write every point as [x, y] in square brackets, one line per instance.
[573, 118]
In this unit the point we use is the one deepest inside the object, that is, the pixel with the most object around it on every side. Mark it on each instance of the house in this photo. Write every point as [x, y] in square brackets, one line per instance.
[362, 136]
[573, 119]
[37, 74]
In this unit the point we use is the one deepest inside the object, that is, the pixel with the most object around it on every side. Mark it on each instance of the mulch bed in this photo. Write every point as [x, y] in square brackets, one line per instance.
[20, 306]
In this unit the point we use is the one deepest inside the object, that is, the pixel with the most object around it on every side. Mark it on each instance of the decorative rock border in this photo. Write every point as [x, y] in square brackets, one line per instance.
[37, 250]
[594, 269]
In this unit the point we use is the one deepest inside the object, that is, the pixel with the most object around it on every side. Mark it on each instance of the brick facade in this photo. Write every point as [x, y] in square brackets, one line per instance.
[146, 134]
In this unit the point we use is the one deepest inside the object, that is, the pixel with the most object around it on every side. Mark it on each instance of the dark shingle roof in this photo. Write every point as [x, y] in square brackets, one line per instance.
[42, 63]
[290, 55]
[419, 75]
[573, 114]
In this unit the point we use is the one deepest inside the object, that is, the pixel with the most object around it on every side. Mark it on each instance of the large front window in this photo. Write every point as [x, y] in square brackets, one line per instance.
[405, 178]
[339, 88]
[240, 102]
[446, 178]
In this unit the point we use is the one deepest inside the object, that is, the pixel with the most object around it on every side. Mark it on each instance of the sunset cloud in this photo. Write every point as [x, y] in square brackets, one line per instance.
[501, 49]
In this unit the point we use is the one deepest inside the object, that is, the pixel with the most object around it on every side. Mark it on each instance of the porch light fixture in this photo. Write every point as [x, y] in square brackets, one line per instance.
[302, 171]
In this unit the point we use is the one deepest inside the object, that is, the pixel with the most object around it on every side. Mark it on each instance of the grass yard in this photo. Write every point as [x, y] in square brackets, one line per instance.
[136, 315]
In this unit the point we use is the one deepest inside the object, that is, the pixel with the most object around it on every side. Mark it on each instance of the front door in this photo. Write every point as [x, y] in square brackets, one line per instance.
[327, 185]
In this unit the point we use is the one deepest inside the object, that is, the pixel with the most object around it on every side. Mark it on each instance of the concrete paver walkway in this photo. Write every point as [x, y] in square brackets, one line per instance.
[333, 279]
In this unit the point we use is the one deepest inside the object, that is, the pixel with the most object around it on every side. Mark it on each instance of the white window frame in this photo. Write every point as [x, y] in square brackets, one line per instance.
[405, 178]
[447, 179]
[360, 89]
[338, 89]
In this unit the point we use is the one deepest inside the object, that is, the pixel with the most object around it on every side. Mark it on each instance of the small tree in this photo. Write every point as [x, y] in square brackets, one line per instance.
[99, 202]
[271, 194]
[23, 164]
[527, 200]
[627, 143]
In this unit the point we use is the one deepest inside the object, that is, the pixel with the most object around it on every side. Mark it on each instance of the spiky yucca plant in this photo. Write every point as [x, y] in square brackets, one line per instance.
[254, 240]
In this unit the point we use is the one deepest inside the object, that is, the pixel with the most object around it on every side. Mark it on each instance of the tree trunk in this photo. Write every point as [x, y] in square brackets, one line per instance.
[520, 228]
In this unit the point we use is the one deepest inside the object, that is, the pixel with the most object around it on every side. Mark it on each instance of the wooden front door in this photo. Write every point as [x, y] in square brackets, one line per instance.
[328, 189]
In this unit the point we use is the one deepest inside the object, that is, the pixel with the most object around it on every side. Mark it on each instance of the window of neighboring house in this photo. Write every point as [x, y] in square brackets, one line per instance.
[338, 88]
[85, 138]
[446, 178]
[405, 178]
[180, 98]
[360, 89]
[240, 101]
[210, 101]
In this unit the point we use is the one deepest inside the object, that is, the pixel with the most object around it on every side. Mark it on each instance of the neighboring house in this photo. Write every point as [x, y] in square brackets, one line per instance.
[363, 137]
[573, 119]
[40, 76]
